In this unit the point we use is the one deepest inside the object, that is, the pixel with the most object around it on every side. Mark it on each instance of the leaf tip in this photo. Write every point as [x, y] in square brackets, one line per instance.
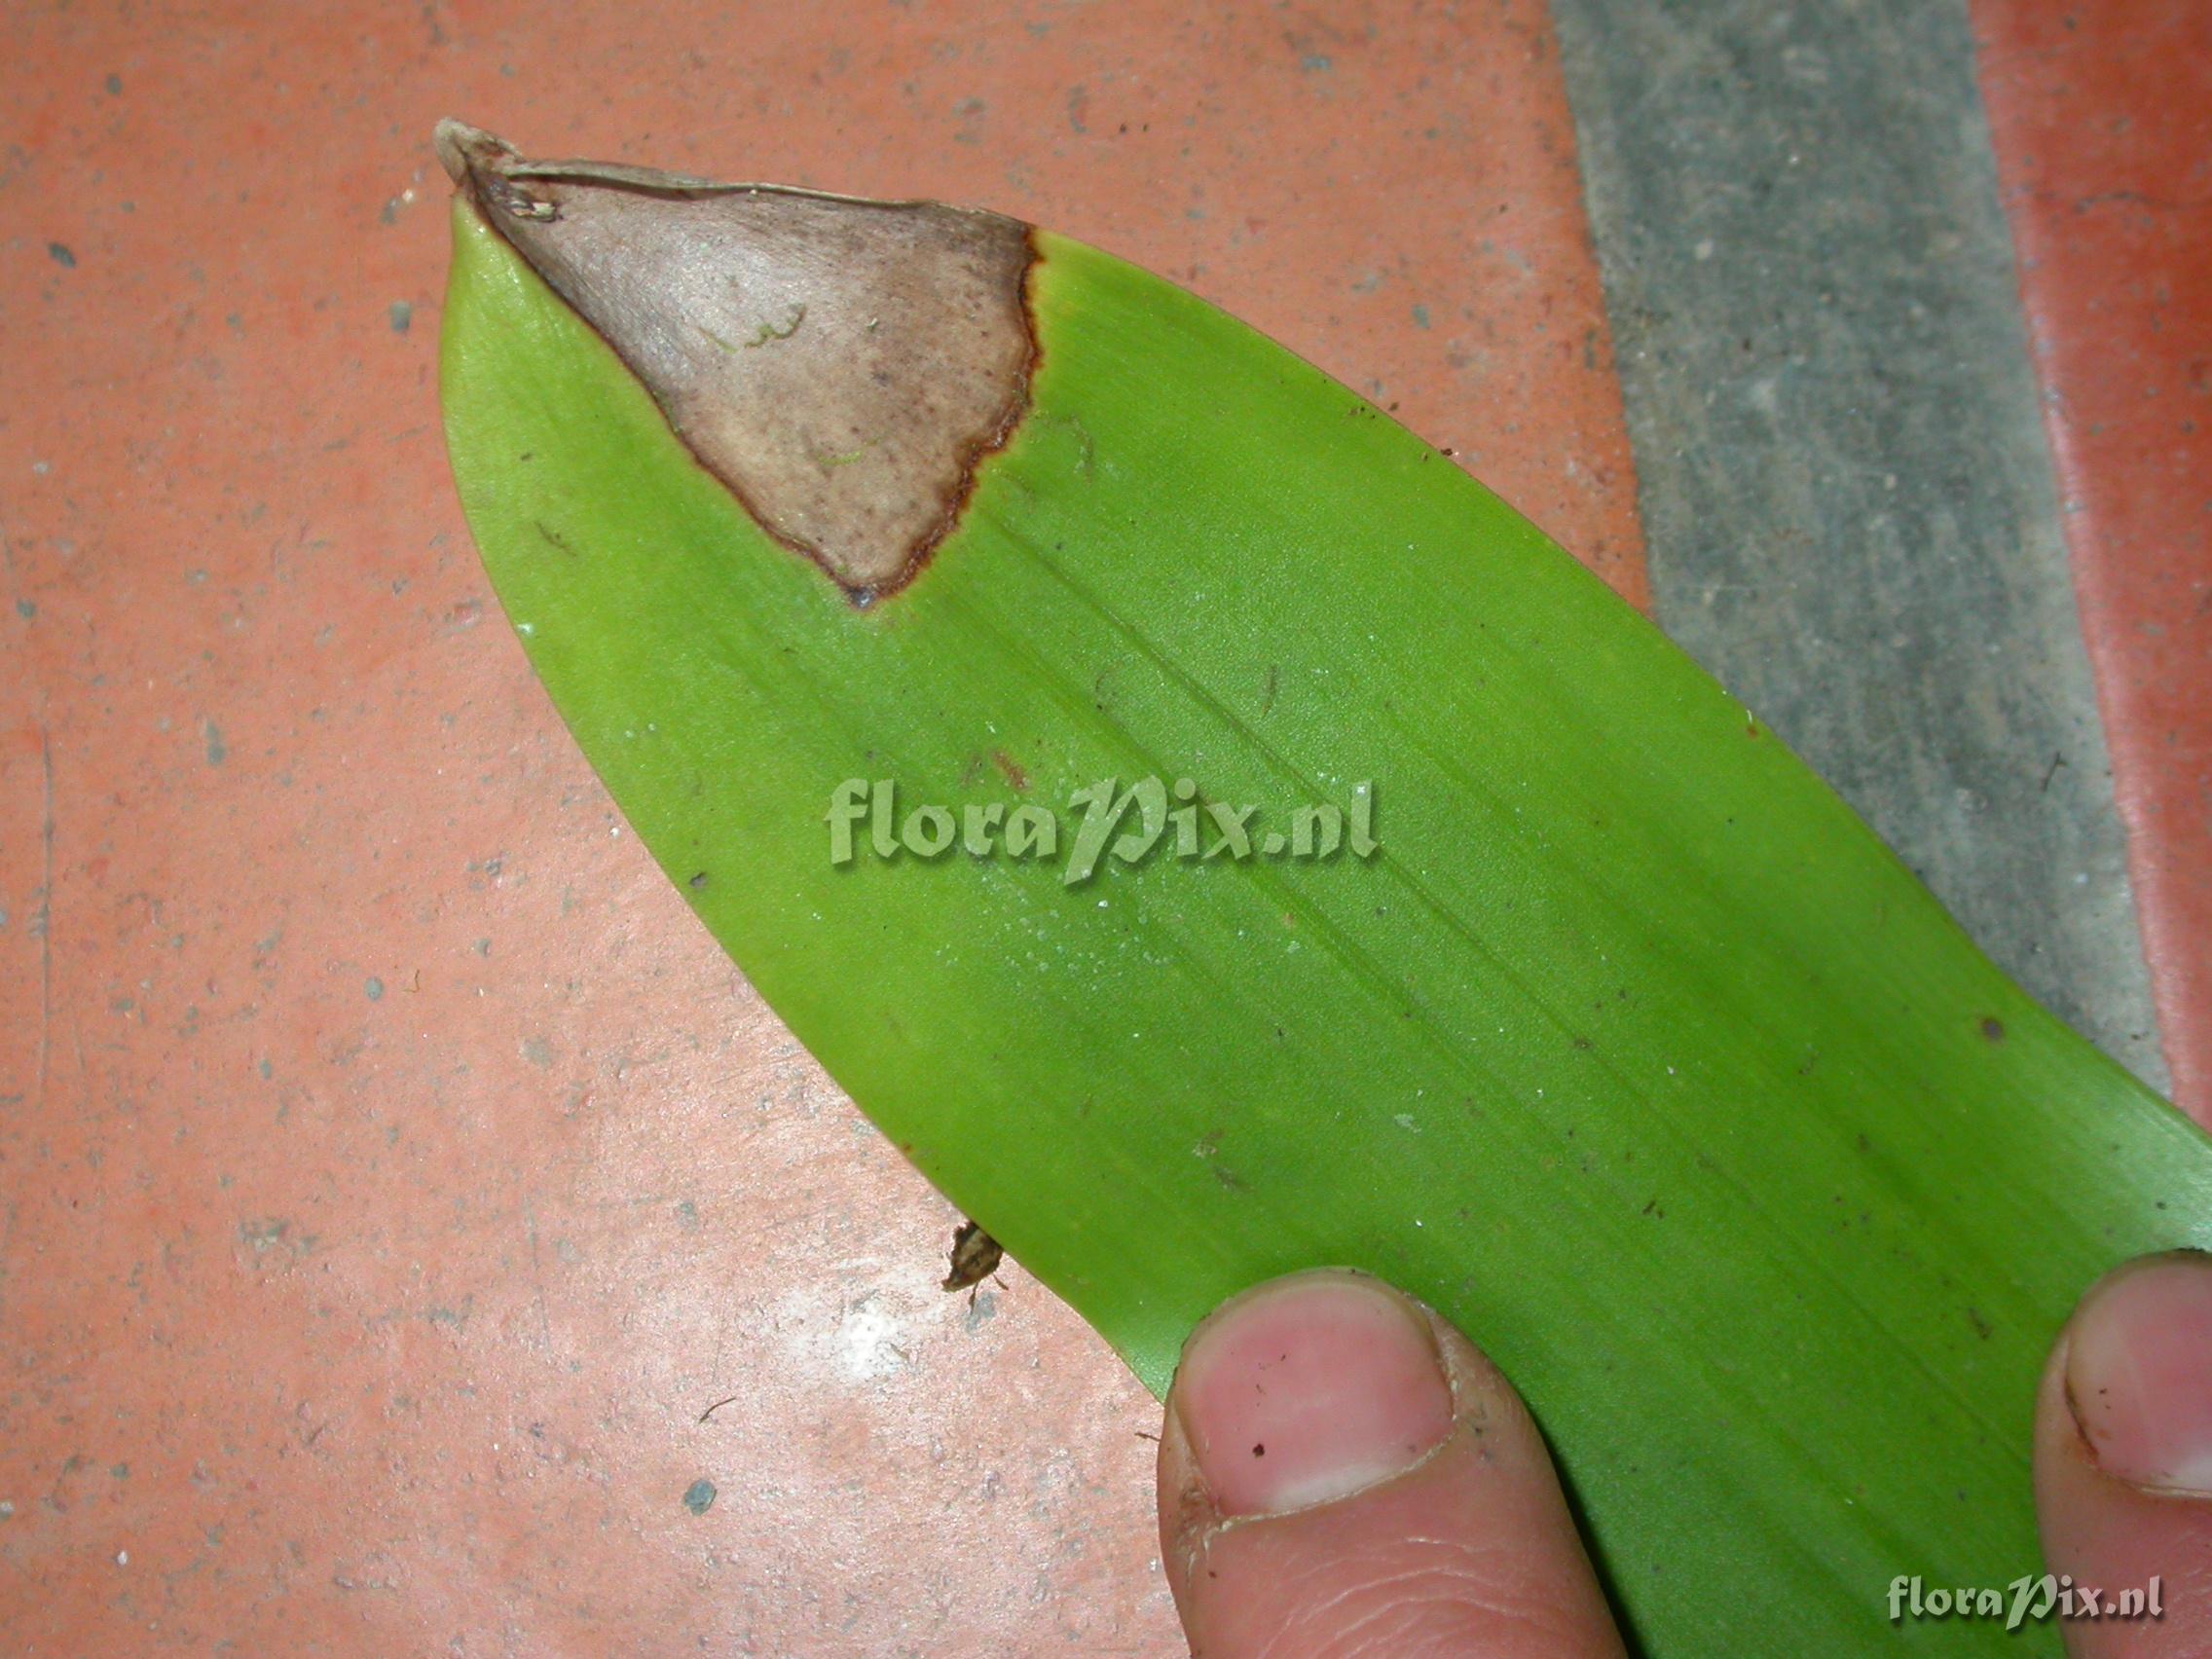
[842, 366]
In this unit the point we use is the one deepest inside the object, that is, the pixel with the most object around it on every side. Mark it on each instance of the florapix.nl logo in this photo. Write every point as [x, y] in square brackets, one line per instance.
[1108, 818]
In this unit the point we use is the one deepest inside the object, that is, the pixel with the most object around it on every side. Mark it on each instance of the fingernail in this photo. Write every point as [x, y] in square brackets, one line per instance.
[1308, 1388]
[2139, 1374]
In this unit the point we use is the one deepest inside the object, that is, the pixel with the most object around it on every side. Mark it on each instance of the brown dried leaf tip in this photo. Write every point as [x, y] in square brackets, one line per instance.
[843, 366]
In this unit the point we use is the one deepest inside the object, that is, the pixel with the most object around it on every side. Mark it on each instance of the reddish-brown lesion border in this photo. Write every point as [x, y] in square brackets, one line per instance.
[972, 455]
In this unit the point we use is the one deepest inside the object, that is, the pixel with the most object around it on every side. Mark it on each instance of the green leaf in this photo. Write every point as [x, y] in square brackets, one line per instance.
[1631, 1049]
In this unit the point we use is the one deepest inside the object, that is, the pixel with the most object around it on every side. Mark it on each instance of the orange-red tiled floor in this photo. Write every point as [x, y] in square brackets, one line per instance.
[414, 1235]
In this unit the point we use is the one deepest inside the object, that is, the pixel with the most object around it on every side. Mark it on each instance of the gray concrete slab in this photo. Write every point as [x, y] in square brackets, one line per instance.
[1847, 491]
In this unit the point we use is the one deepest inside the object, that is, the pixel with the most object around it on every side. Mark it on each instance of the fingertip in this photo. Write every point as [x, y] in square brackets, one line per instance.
[2138, 1374]
[1337, 1459]
[1308, 1388]
[2120, 1425]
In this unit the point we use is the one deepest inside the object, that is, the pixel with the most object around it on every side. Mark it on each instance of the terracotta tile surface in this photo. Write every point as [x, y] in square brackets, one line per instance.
[393, 1175]
[2102, 117]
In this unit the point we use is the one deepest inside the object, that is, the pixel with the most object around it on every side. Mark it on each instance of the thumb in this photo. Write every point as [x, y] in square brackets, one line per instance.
[2124, 1462]
[1343, 1474]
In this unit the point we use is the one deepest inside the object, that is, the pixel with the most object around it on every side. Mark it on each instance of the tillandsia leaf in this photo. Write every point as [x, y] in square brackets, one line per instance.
[1622, 1041]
